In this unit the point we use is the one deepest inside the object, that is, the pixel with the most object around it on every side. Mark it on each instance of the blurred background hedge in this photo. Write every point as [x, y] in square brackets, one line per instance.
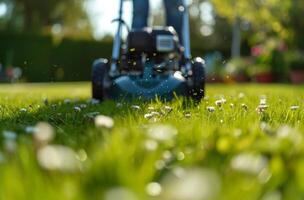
[41, 59]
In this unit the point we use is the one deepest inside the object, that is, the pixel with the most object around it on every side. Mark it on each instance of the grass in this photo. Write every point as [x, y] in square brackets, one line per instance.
[187, 153]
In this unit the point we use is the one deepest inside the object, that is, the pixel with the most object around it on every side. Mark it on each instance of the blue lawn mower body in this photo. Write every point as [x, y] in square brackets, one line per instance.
[152, 64]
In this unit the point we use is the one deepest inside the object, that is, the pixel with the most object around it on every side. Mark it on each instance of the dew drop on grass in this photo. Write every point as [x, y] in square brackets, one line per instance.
[102, 121]
[153, 189]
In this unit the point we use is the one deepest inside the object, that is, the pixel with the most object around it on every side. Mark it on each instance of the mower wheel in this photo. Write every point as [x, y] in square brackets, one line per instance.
[99, 73]
[197, 91]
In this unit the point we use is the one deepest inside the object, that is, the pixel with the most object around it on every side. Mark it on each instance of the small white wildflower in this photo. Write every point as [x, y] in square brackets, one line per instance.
[187, 114]
[211, 109]
[154, 113]
[250, 163]
[162, 132]
[9, 135]
[44, 133]
[118, 105]
[30, 129]
[153, 189]
[262, 108]
[151, 145]
[104, 121]
[244, 106]
[294, 107]
[231, 105]
[263, 101]
[192, 184]
[67, 101]
[135, 107]
[83, 106]
[220, 102]
[77, 109]
[94, 101]
[241, 95]
[23, 110]
[148, 116]
[167, 156]
[151, 108]
[160, 164]
[56, 157]
[168, 109]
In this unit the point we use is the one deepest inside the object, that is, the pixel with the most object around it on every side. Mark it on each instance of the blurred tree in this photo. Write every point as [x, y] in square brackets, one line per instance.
[265, 18]
[61, 17]
[297, 23]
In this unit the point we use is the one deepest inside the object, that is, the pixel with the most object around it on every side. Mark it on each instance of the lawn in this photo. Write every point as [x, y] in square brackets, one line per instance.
[242, 142]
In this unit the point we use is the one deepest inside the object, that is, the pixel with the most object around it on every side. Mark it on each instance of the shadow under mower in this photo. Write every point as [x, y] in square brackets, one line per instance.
[152, 63]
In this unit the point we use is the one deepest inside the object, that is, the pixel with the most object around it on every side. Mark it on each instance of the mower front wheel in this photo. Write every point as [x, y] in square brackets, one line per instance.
[99, 73]
[197, 90]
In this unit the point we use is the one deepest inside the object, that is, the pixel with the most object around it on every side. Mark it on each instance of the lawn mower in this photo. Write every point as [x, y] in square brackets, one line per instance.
[151, 63]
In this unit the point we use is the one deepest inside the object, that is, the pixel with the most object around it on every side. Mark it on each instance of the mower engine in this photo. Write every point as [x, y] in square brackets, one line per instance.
[159, 47]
